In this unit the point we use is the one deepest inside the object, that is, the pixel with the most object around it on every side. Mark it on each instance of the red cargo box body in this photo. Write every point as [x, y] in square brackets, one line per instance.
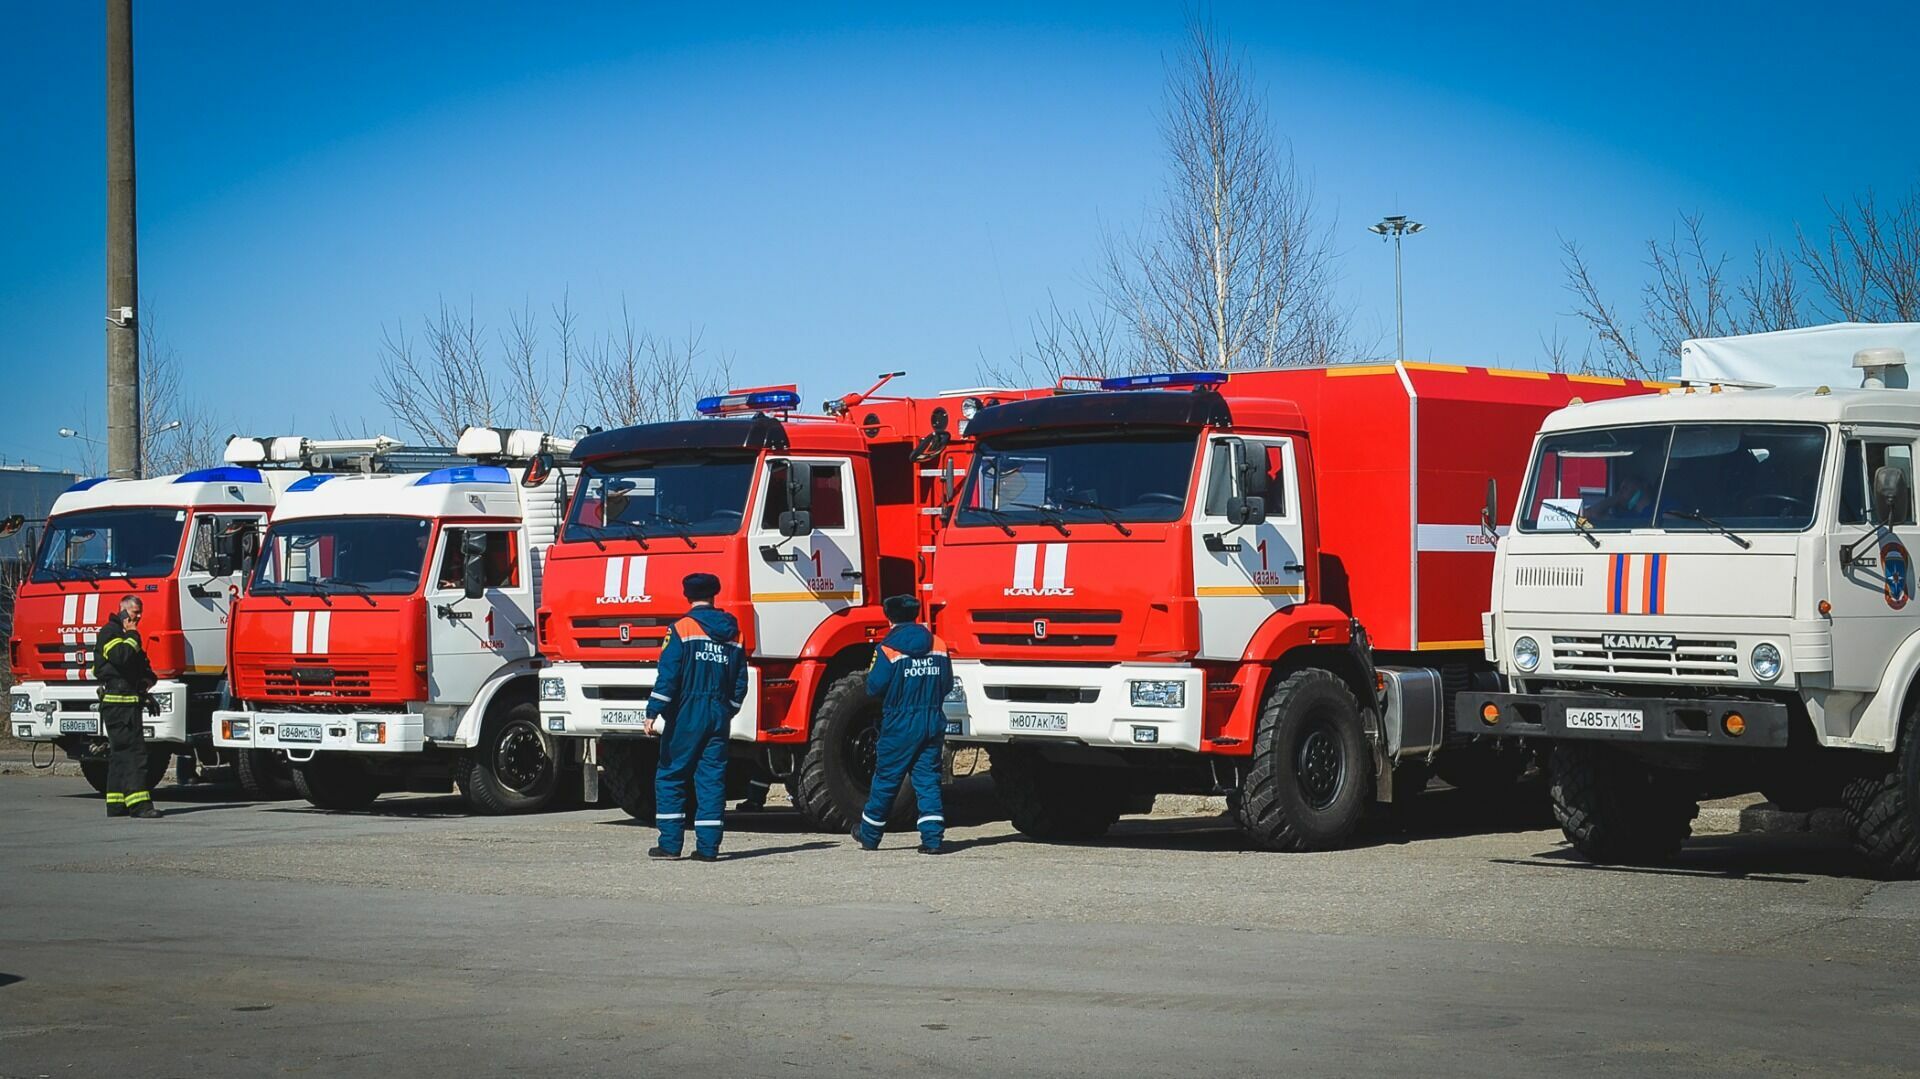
[1402, 454]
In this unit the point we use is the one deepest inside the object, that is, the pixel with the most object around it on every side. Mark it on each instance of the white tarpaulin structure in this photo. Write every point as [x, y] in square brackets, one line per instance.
[1814, 356]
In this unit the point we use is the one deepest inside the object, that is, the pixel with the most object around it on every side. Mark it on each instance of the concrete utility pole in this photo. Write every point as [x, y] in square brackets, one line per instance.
[123, 280]
[1396, 227]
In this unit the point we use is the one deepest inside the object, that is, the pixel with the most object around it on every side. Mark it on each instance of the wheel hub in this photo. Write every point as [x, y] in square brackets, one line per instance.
[520, 759]
[1319, 765]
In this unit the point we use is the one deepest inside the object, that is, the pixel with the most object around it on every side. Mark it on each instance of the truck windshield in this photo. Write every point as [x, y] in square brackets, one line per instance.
[381, 555]
[682, 495]
[138, 541]
[1755, 477]
[1091, 476]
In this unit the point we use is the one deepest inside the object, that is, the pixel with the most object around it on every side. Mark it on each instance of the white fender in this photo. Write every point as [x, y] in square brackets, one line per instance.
[1879, 724]
[468, 733]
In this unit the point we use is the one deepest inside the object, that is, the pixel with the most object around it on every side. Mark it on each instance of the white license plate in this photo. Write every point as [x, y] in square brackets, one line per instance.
[623, 717]
[1606, 719]
[79, 726]
[299, 732]
[1038, 721]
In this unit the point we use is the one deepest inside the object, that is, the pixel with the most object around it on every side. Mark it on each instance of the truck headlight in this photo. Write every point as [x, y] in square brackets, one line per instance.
[23, 730]
[553, 689]
[1766, 662]
[958, 694]
[1526, 654]
[163, 700]
[374, 733]
[1157, 694]
[21, 703]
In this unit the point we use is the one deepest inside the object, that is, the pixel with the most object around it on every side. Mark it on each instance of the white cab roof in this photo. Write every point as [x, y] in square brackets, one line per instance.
[226, 485]
[463, 491]
[1743, 406]
[1810, 356]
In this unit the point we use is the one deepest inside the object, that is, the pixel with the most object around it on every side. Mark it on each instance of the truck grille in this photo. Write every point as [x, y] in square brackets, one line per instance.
[1064, 629]
[1691, 657]
[603, 631]
[334, 680]
[1526, 576]
[55, 660]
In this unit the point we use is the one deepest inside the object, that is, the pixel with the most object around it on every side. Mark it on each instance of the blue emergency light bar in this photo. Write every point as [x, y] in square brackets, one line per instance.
[749, 401]
[1173, 378]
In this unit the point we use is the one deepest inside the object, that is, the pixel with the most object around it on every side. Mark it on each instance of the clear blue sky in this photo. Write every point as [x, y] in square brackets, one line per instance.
[831, 192]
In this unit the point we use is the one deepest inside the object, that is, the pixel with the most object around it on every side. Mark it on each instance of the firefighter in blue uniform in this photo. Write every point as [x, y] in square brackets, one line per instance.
[120, 663]
[911, 675]
[702, 682]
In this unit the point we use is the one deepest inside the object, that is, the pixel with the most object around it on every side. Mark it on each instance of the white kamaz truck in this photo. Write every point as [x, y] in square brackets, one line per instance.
[1709, 591]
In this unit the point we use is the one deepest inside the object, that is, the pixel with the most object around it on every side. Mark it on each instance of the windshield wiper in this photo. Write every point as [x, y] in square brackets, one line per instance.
[999, 519]
[1580, 524]
[679, 527]
[320, 589]
[1104, 511]
[1047, 513]
[1712, 525]
[358, 588]
[588, 531]
[271, 589]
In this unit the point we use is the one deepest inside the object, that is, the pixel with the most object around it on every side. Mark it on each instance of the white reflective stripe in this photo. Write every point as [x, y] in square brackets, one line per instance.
[322, 626]
[1023, 556]
[875, 823]
[636, 576]
[616, 576]
[300, 619]
[758, 783]
[70, 609]
[931, 816]
[669, 816]
[92, 608]
[708, 824]
[660, 697]
[1055, 574]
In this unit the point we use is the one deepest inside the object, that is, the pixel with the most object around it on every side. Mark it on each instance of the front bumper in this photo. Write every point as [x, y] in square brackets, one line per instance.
[611, 702]
[1664, 721]
[1081, 705]
[62, 710]
[398, 732]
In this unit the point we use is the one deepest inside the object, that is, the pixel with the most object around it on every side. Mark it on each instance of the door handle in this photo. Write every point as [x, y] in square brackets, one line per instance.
[1294, 567]
[523, 627]
[851, 574]
[446, 611]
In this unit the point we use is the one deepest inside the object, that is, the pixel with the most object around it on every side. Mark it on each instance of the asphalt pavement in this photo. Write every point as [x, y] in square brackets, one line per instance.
[251, 939]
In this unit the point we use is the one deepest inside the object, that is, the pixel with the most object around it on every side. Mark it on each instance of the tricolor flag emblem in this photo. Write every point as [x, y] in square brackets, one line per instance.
[1637, 584]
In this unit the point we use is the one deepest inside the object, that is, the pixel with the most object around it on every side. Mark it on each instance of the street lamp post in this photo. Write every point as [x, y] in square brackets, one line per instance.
[1397, 226]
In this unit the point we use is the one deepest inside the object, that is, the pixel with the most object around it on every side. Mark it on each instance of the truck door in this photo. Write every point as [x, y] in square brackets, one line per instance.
[798, 581]
[206, 601]
[1872, 596]
[1242, 575]
[470, 639]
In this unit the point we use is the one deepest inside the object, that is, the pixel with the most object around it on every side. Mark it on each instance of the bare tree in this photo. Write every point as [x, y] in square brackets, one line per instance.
[438, 385]
[1064, 343]
[636, 377]
[1233, 270]
[1863, 267]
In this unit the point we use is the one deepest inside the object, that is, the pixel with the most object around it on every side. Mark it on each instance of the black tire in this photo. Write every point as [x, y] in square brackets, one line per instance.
[1883, 808]
[1616, 809]
[96, 773]
[1311, 777]
[627, 768]
[336, 782]
[515, 768]
[1052, 801]
[830, 787]
[264, 775]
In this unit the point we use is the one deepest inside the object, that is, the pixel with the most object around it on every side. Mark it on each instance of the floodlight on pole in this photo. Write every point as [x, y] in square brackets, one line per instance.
[1397, 226]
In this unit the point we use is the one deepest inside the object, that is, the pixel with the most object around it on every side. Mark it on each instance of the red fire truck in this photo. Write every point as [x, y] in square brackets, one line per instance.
[1260, 585]
[808, 521]
[173, 541]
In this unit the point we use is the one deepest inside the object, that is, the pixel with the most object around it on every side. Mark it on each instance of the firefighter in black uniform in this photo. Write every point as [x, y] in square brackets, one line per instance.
[120, 663]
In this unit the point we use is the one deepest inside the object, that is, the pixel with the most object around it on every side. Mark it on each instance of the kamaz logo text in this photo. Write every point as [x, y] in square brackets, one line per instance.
[1039, 569]
[626, 581]
[1637, 642]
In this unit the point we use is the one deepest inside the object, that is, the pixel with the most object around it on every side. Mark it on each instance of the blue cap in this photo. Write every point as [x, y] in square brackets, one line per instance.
[699, 586]
[902, 608]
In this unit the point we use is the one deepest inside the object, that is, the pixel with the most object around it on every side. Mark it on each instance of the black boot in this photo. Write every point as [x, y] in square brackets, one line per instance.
[117, 809]
[145, 810]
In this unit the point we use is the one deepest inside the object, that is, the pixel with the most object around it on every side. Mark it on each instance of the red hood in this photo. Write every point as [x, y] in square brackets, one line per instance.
[361, 650]
[1105, 598]
[54, 624]
[591, 595]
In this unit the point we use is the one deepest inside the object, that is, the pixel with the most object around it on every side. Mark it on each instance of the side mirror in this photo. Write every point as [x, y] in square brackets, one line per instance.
[796, 523]
[799, 486]
[537, 470]
[1889, 494]
[947, 487]
[1248, 503]
[1247, 509]
[1490, 513]
[473, 564]
[221, 564]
